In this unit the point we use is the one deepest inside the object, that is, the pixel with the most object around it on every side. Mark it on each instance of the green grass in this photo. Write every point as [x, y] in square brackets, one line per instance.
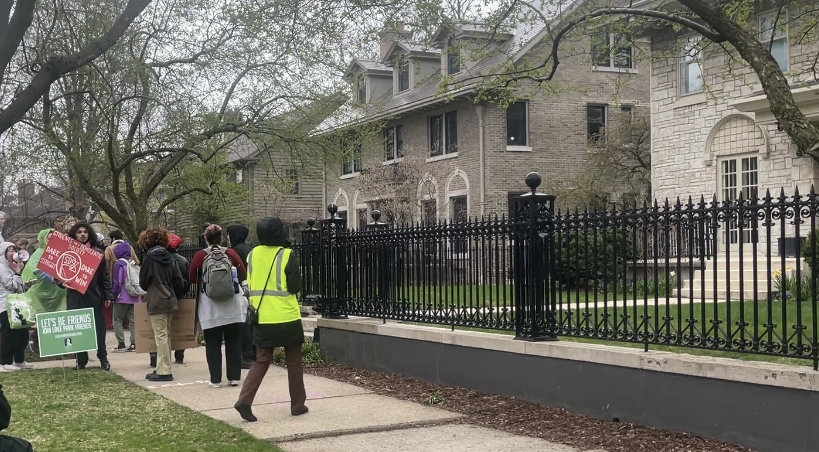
[783, 315]
[104, 412]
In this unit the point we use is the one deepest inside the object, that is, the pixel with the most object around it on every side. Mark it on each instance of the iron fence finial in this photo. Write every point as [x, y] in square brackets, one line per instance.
[533, 181]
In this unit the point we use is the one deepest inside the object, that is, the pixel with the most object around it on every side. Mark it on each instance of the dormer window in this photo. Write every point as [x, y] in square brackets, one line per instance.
[362, 90]
[453, 57]
[403, 74]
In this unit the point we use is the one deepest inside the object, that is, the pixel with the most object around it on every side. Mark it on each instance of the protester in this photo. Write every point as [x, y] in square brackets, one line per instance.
[220, 318]
[110, 258]
[2, 224]
[97, 295]
[173, 243]
[160, 277]
[47, 295]
[124, 302]
[10, 443]
[13, 343]
[237, 234]
[274, 280]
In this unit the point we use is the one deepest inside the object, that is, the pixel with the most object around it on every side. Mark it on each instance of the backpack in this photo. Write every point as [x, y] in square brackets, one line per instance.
[217, 277]
[131, 283]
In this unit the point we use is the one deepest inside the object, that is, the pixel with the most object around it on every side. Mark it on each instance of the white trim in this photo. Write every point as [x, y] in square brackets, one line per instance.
[442, 157]
[349, 176]
[448, 194]
[708, 155]
[393, 161]
[685, 40]
[618, 70]
[518, 148]
[687, 100]
[339, 194]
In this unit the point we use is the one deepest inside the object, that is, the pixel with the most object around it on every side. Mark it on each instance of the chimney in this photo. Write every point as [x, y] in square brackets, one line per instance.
[391, 34]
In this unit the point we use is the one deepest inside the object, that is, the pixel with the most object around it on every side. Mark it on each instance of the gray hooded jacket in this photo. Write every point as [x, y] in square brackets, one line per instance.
[10, 281]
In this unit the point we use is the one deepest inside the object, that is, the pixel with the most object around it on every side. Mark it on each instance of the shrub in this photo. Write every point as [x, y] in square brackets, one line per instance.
[310, 354]
[578, 262]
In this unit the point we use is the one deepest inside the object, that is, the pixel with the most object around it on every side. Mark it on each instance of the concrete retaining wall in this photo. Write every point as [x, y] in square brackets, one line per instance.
[765, 407]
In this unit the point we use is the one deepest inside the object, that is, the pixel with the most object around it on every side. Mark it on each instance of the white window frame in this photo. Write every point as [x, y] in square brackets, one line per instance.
[345, 175]
[783, 20]
[398, 154]
[526, 147]
[239, 176]
[689, 43]
[612, 56]
[292, 179]
[448, 60]
[444, 151]
[362, 80]
[397, 84]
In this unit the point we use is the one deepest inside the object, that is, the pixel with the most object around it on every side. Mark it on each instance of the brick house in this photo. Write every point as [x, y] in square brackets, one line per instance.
[470, 157]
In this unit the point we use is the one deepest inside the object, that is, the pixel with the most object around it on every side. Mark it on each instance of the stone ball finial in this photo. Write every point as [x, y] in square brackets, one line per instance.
[332, 208]
[311, 222]
[533, 180]
[376, 215]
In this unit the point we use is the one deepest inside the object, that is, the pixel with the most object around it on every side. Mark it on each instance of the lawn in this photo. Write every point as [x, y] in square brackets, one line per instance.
[674, 317]
[104, 412]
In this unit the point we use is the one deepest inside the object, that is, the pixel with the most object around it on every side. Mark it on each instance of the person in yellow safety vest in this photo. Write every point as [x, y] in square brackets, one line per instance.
[274, 280]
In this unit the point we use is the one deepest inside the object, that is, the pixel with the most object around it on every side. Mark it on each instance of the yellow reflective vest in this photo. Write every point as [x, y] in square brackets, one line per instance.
[265, 273]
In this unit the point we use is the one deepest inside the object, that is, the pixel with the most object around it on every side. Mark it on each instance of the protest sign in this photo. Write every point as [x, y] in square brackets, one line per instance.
[65, 332]
[69, 261]
[183, 327]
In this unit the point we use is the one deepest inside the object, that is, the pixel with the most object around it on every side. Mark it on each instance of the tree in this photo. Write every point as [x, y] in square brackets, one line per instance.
[721, 24]
[617, 168]
[30, 63]
[149, 124]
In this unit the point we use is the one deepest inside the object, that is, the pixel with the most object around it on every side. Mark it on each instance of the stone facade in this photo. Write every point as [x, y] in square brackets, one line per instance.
[694, 134]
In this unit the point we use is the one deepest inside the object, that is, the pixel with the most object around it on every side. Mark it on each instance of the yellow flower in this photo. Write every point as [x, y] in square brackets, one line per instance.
[777, 274]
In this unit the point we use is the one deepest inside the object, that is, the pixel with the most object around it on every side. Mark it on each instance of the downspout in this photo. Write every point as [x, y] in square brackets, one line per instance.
[323, 208]
[482, 153]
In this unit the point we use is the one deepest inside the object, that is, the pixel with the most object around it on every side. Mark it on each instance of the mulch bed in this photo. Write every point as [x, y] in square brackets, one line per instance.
[519, 417]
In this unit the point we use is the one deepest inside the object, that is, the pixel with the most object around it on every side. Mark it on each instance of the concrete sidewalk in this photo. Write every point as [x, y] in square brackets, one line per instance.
[342, 417]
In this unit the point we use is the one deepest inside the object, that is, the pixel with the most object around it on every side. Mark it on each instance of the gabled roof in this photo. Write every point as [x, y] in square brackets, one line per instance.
[367, 66]
[411, 50]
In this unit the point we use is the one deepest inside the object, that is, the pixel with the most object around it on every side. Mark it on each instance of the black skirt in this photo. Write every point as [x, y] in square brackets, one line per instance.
[279, 334]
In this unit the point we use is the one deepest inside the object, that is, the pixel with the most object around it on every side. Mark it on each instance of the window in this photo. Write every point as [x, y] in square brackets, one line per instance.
[403, 74]
[292, 179]
[773, 32]
[612, 50]
[239, 176]
[596, 120]
[429, 211]
[453, 58]
[690, 69]
[393, 143]
[516, 124]
[352, 161]
[362, 90]
[460, 214]
[363, 218]
[443, 134]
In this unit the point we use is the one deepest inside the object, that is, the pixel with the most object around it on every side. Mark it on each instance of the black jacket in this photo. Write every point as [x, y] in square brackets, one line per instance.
[238, 235]
[160, 277]
[99, 290]
[183, 266]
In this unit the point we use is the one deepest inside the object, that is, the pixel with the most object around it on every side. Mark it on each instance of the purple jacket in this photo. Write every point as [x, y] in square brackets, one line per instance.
[122, 251]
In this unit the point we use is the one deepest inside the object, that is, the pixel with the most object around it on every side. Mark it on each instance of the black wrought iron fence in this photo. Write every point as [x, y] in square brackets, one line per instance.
[728, 276]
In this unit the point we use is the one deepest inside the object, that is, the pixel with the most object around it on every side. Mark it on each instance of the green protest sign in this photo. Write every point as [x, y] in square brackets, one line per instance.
[65, 332]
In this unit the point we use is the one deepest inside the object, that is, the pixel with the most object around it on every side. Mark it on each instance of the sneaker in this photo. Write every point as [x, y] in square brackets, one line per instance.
[233, 383]
[23, 365]
[105, 365]
[131, 348]
[8, 368]
[214, 385]
[121, 348]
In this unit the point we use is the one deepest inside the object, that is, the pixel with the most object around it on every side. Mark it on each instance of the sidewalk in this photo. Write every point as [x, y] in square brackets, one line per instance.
[342, 417]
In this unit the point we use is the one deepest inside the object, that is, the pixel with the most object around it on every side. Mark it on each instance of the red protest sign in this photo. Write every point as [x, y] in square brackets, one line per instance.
[70, 261]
